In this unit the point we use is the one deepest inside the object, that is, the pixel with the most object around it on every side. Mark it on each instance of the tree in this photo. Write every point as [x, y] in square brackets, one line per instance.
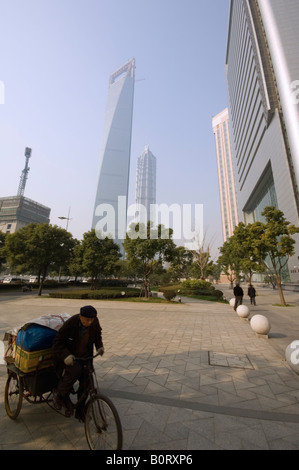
[274, 245]
[75, 265]
[147, 248]
[38, 248]
[202, 254]
[2, 251]
[181, 263]
[244, 240]
[99, 256]
[230, 259]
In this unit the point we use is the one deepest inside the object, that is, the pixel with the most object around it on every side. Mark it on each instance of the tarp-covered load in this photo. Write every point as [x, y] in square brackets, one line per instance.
[34, 337]
[29, 345]
[54, 322]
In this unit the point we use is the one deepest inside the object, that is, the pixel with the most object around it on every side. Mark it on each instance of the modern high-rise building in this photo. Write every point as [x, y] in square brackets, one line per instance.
[262, 71]
[146, 181]
[110, 209]
[227, 191]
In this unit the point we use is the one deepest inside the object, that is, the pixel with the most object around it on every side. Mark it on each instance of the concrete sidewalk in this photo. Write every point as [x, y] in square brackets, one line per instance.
[183, 376]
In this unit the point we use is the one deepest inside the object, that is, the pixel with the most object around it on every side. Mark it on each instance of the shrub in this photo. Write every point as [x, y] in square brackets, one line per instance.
[113, 293]
[79, 294]
[169, 294]
[218, 294]
[99, 283]
[197, 284]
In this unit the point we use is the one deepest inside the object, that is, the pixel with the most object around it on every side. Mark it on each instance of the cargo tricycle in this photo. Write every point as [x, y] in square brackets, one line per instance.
[102, 424]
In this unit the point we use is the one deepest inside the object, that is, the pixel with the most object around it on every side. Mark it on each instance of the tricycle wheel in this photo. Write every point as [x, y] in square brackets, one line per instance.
[13, 395]
[103, 429]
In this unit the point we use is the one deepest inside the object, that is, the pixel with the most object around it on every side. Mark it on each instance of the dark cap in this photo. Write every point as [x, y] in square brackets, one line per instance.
[88, 311]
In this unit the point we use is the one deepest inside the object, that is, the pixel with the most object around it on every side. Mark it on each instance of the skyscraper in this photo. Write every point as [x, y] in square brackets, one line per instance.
[228, 200]
[262, 71]
[146, 181]
[110, 209]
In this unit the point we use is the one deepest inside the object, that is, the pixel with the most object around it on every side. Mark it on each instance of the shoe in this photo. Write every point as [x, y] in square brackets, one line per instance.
[69, 406]
[57, 400]
[80, 415]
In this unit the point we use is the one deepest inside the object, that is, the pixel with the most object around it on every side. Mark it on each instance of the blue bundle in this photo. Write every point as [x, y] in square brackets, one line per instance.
[34, 337]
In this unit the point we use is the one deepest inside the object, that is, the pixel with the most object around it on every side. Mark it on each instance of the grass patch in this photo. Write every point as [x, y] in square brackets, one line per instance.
[120, 294]
[101, 294]
[209, 298]
[130, 294]
[154, 300]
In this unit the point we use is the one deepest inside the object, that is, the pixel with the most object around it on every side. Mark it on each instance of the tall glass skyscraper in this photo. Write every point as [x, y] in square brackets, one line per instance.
[146, 181]
[262, 71]
[227, 191]
[110, 209]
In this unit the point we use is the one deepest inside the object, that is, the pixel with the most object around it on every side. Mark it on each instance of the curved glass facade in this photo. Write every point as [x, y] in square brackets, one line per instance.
[110, 209]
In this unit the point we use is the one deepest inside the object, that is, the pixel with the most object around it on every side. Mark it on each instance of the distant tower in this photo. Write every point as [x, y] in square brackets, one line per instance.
[228, 200]
[25, 172]
[110, 209]
[146, 180]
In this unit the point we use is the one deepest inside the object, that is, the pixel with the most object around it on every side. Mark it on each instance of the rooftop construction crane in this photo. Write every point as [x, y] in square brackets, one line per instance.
[25, 172]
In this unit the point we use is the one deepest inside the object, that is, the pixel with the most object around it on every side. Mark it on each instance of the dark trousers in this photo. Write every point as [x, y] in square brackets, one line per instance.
[238, 301]
[252, 300]
[70, 376]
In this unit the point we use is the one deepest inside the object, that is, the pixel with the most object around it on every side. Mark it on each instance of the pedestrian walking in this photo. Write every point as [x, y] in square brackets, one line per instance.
[252, 294]
[238, 293]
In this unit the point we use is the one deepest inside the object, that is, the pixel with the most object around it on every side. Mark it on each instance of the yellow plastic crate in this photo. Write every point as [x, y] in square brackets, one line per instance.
[29, 361]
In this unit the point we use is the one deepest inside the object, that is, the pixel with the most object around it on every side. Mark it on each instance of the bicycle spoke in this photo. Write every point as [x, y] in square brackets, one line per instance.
[13, 395]
[102, 425]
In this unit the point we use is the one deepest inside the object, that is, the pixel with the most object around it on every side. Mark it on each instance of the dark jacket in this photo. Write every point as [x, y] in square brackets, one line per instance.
[68, 338]
[251, 291]
[238, 291]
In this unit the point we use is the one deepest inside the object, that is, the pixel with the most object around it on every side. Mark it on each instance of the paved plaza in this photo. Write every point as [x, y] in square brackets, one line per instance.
[184, 376]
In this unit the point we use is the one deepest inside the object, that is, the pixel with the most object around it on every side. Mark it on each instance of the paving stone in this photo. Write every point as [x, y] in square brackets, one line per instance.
[182, 376]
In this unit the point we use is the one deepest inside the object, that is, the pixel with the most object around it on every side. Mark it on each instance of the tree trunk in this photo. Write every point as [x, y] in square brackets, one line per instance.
[146, 288]
[42, 279]
[279, 287]
[40, 287]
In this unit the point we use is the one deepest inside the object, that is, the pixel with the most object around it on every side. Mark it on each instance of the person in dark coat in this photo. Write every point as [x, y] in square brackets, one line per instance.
[252, 293]
[238, 293]
[76, 338]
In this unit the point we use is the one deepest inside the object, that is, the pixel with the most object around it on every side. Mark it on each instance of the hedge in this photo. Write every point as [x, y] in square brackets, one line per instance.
[194, 288]
[107, 293]
[169, 293]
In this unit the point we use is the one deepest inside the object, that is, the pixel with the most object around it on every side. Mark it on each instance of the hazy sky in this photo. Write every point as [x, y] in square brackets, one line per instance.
[56, 58]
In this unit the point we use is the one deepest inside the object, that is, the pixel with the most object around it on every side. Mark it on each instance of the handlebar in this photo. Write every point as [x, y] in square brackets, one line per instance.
[87, 358]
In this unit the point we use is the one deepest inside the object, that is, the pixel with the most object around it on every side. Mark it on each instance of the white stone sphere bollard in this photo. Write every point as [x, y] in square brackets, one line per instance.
[292, 356]
[260, 324]
[232, 302]
[243, 311]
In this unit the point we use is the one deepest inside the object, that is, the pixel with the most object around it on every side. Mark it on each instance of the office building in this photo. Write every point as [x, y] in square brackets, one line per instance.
[18, 211]
[227, 191]
[262, 72]
[110, 209]
[146, 181]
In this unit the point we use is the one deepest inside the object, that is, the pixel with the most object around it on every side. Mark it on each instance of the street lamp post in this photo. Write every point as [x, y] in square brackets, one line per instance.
[66, 218]
[67, 226]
